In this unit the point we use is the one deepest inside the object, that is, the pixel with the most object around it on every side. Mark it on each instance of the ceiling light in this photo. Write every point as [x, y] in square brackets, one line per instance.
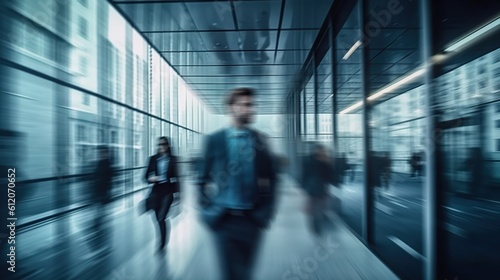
[473, 36]
[351, 108]
[385, 90]
[397, 84]
[467, 40]
[352, 50]
[439, 58]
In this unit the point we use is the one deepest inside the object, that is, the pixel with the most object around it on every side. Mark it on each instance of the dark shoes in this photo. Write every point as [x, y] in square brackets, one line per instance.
[160, 250]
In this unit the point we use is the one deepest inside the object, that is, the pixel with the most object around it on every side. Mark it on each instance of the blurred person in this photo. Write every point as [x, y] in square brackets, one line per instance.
[420, 163]
[413, 161]
[283, 163]
[194, 161]
[341, 167]
[386, 170]
[376, 169]
[103, 175]
[162, 172]
[316, 178]
[473, 165]
[102, 185]
[351, 164]
[238, 164]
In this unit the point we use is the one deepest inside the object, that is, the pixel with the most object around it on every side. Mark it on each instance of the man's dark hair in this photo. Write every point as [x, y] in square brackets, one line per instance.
[237, 92]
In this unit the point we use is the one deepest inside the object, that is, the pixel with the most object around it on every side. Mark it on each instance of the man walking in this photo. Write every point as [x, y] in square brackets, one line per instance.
[237, 184]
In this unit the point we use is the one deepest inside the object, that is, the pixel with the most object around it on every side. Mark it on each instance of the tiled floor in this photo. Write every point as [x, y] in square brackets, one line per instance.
[70, 249]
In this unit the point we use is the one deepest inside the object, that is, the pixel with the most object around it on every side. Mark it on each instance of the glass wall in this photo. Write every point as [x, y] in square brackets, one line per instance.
[350, 150]
[397, 132]
[325, 96]
[470, 154]
[467, 90]
[89, 79]
[309, 107]
[414, 111]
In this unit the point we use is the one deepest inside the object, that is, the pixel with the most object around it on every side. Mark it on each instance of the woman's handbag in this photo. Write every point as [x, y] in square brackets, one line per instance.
[150, 203]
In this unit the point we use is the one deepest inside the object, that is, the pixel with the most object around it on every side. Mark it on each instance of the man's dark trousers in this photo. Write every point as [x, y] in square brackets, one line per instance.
[237, 241]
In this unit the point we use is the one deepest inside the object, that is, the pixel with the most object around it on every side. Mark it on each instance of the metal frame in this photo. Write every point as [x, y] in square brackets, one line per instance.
[333, 53]
[315, 80]
[367, 213]
[431, 187]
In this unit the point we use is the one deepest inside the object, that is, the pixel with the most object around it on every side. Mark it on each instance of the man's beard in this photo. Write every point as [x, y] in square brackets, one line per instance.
[245, 119]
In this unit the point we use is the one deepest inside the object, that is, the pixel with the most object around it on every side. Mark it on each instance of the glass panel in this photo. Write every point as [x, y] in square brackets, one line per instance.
[175, 139]
[173, 98]
[181, 144]
[350, 126]
[469, 102]
[165, 91]
[189, 108]
[154, 133]
[325, 105]
[139, 145]
[310, 133]
[101, 53]
[397, 136]
[182, 98]
[195, 114]
[156, 81]
[36, 118]
[302, 116]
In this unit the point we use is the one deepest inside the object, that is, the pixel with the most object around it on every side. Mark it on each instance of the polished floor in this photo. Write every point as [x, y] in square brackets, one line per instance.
[124, 247]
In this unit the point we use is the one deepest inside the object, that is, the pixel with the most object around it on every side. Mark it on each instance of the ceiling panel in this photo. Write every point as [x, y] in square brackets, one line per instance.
[406, 18]
[297, 39]
[386, 38]
[258, 14]
[399, 69]
[224, 57]
[146, 17]
[413, 58]
[218, 45]
[239, 40]
[235, 84]
[177, 41]
[291, 56]
[390, 56]
[211, 15]
[241, 70]
[304, 14]
[208, 87]
[348, 69]
[379, 67]
[410, 39]
[240, 79]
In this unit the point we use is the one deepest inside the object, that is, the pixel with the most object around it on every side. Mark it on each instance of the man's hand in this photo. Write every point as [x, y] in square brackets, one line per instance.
[153, 179]
[203, 199]
[177, 196]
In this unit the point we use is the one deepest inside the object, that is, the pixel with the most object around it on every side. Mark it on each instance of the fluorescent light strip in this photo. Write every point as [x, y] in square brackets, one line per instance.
[385, 90]
[351, 108]
[352, 50]
[397, 84]
[455, 46]
[473, 36]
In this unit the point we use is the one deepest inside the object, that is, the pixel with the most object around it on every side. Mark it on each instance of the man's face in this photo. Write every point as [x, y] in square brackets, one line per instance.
[242, 110]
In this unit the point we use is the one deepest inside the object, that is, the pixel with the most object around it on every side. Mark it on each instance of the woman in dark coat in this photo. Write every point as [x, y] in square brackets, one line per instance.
[162, 172]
